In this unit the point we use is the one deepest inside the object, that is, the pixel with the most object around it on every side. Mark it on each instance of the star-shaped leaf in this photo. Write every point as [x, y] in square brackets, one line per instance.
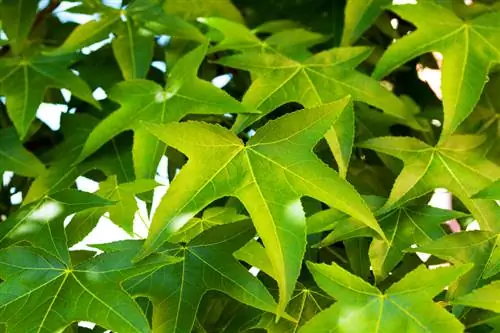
[121, 213]
[135, 27]
[403, 226]
[479, 247]
[406, 306]
[268, 175]
[24, 80]
[453, 165]
[14, 157]
[359, 16]
[42, 293]
[322, 78]
[208, 264]
[469, 48]
[280, 76]
[143, 100]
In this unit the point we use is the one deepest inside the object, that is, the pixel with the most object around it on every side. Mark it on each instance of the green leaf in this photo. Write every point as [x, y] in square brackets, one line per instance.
[305, 303]
[56, 293]
[453, 165]
[143, 100]
[254, 254]
[490, 192]
[469, 48]
[479, 247]
[193, 9]
[14, 157]
[405, 227]
[113, 159]
[133, 49]
[17, 18]
[32, 222]
[211, 217]
[268, 182]
[402, 308]
[324, 77]
[121, 213]
[484, 298]
[135, 27]
[176, 290]
[359, 16]
[279, 77]
[24, 81]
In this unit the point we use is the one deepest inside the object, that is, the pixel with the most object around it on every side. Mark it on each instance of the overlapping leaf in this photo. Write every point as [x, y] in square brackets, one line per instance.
[14, 157]
[479, 247]
[32, 222]
[121, 213]
[113, 159]
[135, 27]
[208, 264]
[143, 100]
[469, 48]
[406, 306]
[490, 192]
[211, 217]
[269, 176]
[17, 17]
[46, 293]
[453, 165]
[281, 76]
[404, 227]
[359, 16]
[24, 81]
[485, 297]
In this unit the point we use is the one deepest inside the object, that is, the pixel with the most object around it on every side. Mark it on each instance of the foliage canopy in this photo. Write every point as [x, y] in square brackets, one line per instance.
[268, 163]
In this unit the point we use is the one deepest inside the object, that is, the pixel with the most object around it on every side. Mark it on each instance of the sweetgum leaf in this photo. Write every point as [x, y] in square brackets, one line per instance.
[23, 81]
[14, 157]
[144, 100]
[479, 247]
[359, 16]
[269, 175]
[176, 290]
[135, 27]
[282, 74]
[403, 226]
[322, 78]
[469, 48]
[453, 165]
[402, 308]
[42, 293]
